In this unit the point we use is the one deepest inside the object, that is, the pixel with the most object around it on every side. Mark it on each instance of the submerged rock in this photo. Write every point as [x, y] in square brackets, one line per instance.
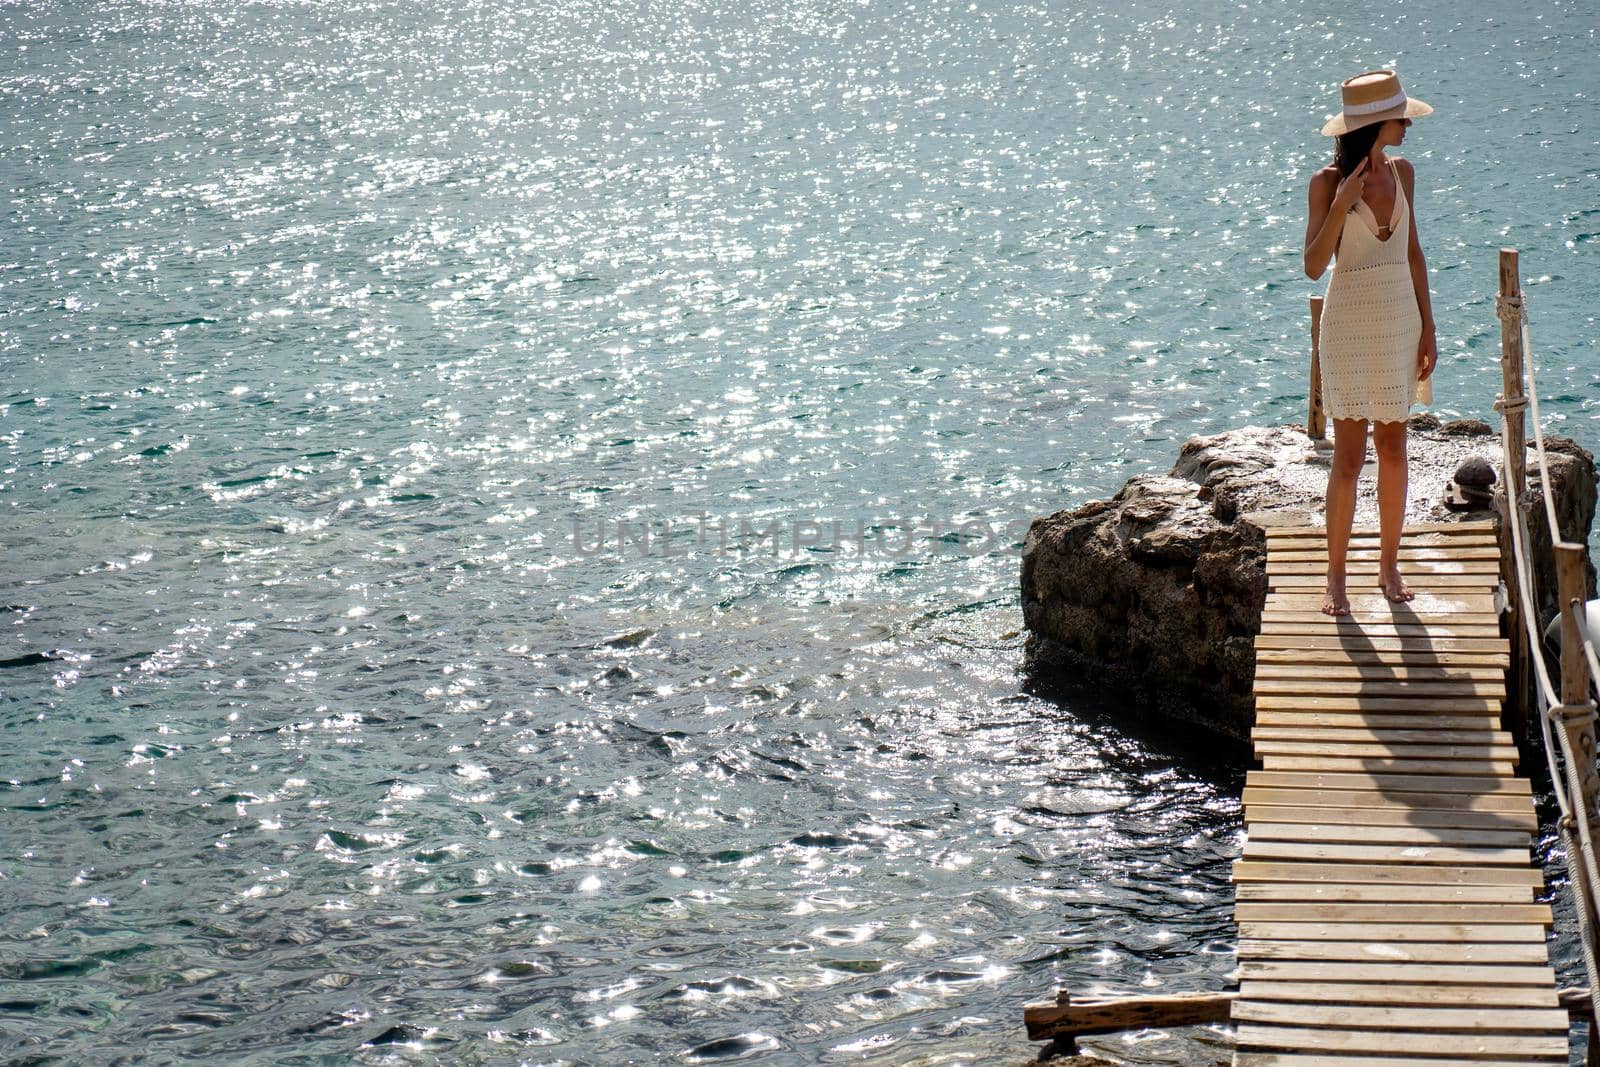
[1159, 590]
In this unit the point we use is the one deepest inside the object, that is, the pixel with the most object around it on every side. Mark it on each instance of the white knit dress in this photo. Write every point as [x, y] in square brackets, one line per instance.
[1370, 323]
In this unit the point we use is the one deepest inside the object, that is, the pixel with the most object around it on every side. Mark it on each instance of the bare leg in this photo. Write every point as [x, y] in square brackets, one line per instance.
[1349, 451]
[1389, 441]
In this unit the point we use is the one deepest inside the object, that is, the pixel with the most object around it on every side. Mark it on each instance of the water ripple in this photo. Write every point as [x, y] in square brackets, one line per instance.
[513, 514]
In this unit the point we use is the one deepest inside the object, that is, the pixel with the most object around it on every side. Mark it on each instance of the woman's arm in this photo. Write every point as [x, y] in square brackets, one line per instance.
[1427, 348]
[1330, 201]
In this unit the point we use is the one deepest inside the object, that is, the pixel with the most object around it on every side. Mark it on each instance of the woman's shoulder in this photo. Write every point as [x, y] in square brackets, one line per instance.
[1326, 179]
[1403, 167]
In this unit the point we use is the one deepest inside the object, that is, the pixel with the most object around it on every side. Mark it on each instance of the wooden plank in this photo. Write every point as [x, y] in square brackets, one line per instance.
[1365, 657]
[1393, 873]
[1359, 664]
[1364, 642]
[1489, 568]
[1076, 1016]
[1400, 995]
[1410, 529]
[1447, 751]
[1502, 805]
[1366, 626]
[1374, 952]
[1395, 933]
[1444, 539]
[1361, 536]
[1398, 815]
[1363, 728]
[1483, 1025]
[1443, 855]
[1428, 586]
[1315, 1059]
[1504, 768]
[1312, 648]
[1407, 973]
[1257, 1035]
[1366, 571]
[1413, 855]
[1387, 720]
[1363, 573]
[1392, 912]
[1365, 549]
[1364, 577]
[1293, 543]
[1309, 552]
[1353, 834]
[1366, 557]
[1399, 893]
[1368, 672]
[1370, 599]
[1297, 589]
[1387, 783]
[1383, 750]
[1280, 616]
[1348, 744]
[1303, 585]
[1316, 624]
[1378, 687]
[1408, 704]
[1306, 594]
[1375, 617]
[1379, 734]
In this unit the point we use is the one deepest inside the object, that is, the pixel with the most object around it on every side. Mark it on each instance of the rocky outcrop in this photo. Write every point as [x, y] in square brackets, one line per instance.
[1158, 591]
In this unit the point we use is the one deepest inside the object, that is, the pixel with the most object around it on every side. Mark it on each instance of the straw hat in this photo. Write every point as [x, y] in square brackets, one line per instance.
[1375, 96]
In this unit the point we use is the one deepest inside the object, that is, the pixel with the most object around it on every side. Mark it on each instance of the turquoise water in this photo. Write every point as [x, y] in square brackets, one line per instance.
[345, 722]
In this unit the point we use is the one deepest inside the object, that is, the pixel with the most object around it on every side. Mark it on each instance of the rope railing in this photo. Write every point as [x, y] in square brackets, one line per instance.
[1566, 716]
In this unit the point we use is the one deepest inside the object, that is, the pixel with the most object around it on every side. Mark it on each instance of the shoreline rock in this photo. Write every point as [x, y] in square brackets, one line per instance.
[1159, 590]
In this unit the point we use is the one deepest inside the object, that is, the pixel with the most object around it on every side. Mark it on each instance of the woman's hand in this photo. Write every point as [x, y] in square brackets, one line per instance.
[1351, 187]
[1427, 355]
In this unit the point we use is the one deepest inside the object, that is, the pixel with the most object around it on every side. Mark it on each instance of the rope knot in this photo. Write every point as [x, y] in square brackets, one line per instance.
[1573, 712]
[1510, 308]
[1511, 406]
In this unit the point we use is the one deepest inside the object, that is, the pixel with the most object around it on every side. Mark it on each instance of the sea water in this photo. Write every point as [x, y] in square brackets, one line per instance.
[511, 513]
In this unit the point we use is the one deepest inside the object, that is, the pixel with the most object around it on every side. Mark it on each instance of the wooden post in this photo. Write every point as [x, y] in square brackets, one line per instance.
[1512, 393]
[1509, 498]
[1574, 666]
[1582, 775]
[1570, 559]
[1316, 418]
[1570, 584]
[1520, 677]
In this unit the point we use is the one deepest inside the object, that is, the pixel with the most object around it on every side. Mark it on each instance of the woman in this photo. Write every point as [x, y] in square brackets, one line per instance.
[1378, 346]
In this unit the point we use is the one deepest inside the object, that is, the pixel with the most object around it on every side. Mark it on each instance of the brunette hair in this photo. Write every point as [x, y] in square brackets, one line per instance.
[1349, 149]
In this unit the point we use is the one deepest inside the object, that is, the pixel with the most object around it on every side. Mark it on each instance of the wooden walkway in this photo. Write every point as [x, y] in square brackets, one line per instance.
[1386, 893]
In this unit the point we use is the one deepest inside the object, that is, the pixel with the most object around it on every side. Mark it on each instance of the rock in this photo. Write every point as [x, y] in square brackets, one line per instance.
[1466, 428]
[1158, 591]
[1471, 486]
[1475, 472]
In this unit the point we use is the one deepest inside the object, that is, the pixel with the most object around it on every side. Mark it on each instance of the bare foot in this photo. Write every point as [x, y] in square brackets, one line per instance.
[1394, 587]
[1335, 601]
